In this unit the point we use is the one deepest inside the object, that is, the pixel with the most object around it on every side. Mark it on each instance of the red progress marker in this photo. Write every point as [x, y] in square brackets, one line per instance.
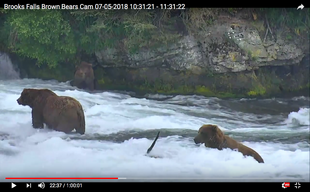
[63, 178]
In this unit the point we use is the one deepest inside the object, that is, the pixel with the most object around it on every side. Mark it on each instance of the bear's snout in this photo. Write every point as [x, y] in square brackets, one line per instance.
[197, 141]
[19, 101]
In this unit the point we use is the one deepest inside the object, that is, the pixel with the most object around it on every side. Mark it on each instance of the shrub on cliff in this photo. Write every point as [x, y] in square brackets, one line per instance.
[40, 34]
[54, 36]
[130, 29]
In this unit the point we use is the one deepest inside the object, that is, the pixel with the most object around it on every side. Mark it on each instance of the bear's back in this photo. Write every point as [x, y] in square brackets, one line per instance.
[41, 96]
[64, 101]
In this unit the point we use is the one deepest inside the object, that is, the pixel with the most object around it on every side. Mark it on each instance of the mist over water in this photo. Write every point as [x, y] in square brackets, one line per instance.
[120, 128]
[7, 70]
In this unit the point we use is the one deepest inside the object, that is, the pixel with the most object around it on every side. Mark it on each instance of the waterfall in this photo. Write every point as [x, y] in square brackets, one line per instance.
[7, 70]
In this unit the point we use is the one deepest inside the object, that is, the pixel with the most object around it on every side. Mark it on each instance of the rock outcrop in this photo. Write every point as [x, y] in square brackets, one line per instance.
[224, 47]
[232, 56]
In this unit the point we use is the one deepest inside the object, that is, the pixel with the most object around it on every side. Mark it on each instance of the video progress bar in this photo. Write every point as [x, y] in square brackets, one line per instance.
[62, 178]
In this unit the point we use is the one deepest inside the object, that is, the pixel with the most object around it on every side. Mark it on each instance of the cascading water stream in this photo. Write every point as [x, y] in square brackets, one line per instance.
[7, 70]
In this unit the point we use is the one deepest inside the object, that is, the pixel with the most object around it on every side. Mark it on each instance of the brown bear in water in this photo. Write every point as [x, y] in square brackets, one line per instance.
[84, 77]
[213, 137]
[60, 113]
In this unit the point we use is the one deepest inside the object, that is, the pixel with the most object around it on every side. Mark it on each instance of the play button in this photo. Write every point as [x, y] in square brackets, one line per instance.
[13, 185]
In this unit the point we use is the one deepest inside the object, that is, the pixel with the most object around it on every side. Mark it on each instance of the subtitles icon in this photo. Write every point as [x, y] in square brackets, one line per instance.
[41, 185]
[285, 185]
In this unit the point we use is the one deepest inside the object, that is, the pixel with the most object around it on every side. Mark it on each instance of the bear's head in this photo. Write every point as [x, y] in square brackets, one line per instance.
[84, 70]
[26, 97]
[210, 135]
[30, 96]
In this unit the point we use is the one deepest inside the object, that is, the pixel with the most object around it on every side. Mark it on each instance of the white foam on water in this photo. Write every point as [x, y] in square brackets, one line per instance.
[45, 155]
[301, 117]
[27, 152]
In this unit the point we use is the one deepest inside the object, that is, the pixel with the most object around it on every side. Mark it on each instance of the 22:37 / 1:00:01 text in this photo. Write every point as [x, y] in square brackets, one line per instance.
[140, 6]
[65, 185]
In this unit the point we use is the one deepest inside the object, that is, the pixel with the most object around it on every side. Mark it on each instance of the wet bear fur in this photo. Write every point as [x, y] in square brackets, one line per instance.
[84, 77]
[213, 137]
[60, 113]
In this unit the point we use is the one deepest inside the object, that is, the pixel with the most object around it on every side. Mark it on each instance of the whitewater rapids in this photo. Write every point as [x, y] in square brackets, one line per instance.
[120, 128]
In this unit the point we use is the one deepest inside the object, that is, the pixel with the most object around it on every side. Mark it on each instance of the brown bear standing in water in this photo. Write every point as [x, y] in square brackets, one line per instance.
[84, 77]
[60, 113]
[213, 137]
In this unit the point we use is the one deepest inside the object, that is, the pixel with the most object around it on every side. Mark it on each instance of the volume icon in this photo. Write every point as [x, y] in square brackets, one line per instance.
[41, 185]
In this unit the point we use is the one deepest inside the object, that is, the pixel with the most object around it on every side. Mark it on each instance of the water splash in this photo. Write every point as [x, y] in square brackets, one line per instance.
[7, 70]
[302, 117]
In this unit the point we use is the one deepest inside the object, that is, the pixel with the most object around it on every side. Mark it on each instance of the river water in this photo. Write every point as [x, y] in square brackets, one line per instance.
[120, 128]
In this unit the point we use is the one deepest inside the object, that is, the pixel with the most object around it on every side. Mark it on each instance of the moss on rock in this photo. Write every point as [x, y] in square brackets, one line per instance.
[28, 68]
[264, 82]
[58, 73]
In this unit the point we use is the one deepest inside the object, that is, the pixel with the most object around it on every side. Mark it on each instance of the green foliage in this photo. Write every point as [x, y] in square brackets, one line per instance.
[97, 29]
[130, 30]
[252, 57]
[203, 90]
[59, 73]
[199, 18]
[41, 34]
[4, 33]
[299, 21]
[139, 30]
[57, 36]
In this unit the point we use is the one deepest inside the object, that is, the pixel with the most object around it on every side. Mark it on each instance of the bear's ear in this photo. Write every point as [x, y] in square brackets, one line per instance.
[214, 127]
[218, 131]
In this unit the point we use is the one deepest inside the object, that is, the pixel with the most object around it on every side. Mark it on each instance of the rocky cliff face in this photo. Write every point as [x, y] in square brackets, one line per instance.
[231, 57]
